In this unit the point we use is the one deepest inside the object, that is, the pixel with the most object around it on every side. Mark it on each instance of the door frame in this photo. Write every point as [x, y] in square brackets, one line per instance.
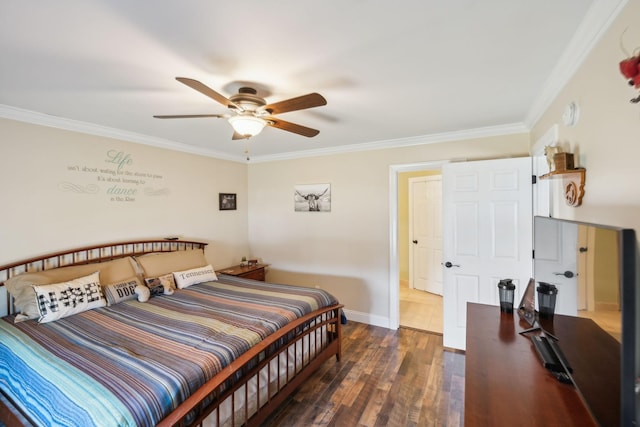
[394, 262]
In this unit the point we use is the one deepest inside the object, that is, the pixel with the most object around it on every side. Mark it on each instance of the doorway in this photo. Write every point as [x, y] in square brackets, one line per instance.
[395, 234]
[418, 249]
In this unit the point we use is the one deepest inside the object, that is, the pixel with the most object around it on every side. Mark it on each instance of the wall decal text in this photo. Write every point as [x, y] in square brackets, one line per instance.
[116, 178]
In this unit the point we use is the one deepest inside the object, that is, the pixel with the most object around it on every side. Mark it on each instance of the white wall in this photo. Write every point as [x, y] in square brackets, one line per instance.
[606, 138]
[345, 251]
[50, 203]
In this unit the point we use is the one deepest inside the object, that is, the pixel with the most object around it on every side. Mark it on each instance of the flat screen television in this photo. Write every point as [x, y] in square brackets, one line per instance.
[594, 269]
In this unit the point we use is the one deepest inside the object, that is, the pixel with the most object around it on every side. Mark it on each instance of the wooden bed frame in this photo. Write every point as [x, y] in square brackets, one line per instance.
[232, 379]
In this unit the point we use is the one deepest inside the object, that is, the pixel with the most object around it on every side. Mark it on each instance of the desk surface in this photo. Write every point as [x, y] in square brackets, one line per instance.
[506, 384]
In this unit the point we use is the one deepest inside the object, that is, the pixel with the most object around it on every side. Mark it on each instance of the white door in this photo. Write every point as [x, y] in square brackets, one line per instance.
[425, 233]
[487, 217]
[556, 245]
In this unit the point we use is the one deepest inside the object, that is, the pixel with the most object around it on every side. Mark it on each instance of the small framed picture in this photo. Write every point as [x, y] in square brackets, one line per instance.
[227, 201]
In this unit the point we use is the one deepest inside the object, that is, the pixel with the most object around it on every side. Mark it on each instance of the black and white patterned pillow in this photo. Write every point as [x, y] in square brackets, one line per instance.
[161, 285]
[59, 300]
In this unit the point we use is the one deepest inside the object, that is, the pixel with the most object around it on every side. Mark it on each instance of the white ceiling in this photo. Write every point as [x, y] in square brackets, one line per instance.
[392, 72]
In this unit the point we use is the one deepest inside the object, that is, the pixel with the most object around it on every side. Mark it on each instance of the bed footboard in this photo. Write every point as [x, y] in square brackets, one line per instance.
[10, 415]
[248, 390]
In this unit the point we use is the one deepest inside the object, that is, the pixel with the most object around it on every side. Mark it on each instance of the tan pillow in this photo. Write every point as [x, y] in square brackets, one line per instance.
[21, 286]
[161, 263]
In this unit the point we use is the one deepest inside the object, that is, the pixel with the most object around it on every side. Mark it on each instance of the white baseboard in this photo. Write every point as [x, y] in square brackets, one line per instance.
[369, 319]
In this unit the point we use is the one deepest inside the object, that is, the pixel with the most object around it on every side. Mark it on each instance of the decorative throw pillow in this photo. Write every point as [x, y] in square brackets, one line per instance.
[196, 275]
[159, 285]
[121, 291]
[64, 299]
[21, 286]
[168, 281]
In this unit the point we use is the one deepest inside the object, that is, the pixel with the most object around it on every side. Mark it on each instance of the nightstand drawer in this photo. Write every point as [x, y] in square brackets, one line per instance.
[255, 274]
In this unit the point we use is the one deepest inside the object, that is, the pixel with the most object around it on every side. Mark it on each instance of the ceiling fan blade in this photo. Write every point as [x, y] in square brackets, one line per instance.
[299, 103]
[291, 127]
[206, 90]
[237, 136]
[191, 116]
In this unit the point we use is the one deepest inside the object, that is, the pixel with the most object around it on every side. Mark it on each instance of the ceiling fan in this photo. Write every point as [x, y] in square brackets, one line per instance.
[251, 113]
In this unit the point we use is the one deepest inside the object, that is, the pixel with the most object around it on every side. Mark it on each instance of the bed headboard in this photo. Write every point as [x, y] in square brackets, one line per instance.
[89, 255]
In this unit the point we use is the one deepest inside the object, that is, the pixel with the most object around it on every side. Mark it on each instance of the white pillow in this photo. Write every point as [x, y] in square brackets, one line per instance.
[143, 293]
[195, 275]
[64, 299]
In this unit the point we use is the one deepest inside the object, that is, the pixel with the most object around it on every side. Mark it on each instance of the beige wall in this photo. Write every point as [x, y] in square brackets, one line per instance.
[50, 202]
[403, 218]
[347, 250]
[606, 139]
[606, 274]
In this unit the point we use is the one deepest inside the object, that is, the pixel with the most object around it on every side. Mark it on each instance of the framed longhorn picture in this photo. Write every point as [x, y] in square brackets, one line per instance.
[312, 198]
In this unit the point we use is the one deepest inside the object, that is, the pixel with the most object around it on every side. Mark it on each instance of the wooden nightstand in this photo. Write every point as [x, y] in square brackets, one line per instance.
[255, 272]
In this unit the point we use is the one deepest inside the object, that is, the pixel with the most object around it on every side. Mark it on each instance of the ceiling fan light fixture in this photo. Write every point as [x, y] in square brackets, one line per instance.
[247, 125]
[251, 113]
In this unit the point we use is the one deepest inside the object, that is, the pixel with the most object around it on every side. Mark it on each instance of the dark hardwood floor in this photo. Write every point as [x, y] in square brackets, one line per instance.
[385, 378]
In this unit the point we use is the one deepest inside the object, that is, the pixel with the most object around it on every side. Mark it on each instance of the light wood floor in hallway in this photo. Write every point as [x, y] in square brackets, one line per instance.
[419, 309]
[385, 378]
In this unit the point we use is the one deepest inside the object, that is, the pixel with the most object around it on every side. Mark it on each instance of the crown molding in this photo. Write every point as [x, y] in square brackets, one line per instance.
[33, 117]
[42, 119]
[596, 22]
[484, 132]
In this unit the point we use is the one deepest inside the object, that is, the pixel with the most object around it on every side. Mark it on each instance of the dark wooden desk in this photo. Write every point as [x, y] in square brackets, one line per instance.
[506, 384]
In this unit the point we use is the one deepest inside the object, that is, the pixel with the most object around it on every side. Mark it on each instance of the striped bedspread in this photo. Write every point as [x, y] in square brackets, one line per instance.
[132, 363]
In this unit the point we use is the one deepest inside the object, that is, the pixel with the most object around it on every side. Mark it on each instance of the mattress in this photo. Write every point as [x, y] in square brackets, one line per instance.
[132, 363]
